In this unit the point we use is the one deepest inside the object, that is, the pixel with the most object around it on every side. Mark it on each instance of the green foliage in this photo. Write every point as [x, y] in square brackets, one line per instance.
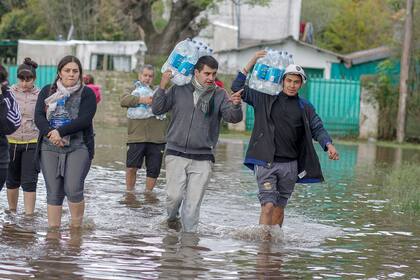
[384, 89]
[21, 23]
[158, 10]
[401, 188]
[357, 27]
[47, 19]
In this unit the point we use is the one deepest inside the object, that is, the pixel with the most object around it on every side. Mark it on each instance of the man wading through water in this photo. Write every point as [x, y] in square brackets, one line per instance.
[280, 150]
[196, 112]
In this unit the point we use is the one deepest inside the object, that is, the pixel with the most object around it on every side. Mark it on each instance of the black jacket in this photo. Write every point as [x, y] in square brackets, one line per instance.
[10, 119]
[83, 122]
[261, 146]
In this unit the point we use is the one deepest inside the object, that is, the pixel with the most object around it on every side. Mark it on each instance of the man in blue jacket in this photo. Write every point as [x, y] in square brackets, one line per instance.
[280, 150]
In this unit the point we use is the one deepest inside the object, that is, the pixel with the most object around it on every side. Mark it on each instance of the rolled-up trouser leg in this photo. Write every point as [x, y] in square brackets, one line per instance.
[76, 170]
[198, 177]
[176, 179]
[54, 182]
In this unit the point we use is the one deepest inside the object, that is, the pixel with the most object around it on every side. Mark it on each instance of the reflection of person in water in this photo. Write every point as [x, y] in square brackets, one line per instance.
[131, 199]
[181, 258]
[269, 263]
[65, 266]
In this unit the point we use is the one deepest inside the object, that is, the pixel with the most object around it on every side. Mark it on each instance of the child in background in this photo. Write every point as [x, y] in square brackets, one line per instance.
[89, 81]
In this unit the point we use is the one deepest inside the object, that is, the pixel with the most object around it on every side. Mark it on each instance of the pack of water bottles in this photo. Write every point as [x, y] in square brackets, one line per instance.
[142, 111]
[183, 58]
[61, 117]
[268, 71]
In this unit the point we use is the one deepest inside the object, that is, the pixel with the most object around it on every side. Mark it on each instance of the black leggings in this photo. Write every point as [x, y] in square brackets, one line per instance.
[3, 175]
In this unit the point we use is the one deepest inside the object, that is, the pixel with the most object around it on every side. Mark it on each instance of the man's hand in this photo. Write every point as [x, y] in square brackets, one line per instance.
[55, 138]
[253, 60]
[166, 77]
[332, 152]
[146, 100]
[236, 97]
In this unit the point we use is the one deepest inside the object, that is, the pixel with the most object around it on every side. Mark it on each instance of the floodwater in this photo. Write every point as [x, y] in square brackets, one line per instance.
[342, 229]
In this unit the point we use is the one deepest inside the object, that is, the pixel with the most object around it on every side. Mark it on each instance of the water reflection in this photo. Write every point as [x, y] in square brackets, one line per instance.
[181, 257]
[269, 262]
[339, 229]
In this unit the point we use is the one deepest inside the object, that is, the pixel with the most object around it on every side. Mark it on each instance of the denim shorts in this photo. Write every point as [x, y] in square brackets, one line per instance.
[276, 182]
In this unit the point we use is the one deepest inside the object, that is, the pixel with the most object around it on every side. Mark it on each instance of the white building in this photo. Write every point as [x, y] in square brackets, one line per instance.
[94, 55]
[232, 25]
[306, 55]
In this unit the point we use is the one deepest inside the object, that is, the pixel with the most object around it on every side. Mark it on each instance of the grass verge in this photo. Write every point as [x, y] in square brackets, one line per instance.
[402, 187]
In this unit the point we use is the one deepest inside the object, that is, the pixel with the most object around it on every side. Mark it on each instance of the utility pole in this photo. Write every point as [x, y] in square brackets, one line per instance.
[405, 66]
[237, 4]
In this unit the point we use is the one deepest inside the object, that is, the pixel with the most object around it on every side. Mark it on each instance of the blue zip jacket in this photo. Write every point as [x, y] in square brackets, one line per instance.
[261, 146]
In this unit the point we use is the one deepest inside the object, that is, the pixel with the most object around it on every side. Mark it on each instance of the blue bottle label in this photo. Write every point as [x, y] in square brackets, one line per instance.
[186, 68]
[261, 71]
[176, 60]
[59, 122]
[274, 75]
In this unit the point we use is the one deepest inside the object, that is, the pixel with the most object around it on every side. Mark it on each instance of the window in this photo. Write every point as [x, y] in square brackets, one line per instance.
[110, 62]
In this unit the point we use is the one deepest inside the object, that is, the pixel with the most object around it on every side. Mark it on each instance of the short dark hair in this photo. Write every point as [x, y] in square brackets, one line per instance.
[206, 60]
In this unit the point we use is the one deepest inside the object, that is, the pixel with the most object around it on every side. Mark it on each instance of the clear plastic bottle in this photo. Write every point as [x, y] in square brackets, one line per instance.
[267, 72]
[181, 61]
[141, 111]
[291, 60]
[61, 117]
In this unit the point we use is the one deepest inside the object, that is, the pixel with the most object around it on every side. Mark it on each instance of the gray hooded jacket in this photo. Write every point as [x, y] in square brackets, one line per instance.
[191, 131]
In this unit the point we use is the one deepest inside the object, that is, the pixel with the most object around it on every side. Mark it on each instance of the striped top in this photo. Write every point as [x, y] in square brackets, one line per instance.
[9, 106]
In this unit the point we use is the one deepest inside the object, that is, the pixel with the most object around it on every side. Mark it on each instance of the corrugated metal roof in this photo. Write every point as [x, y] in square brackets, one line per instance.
[364, 56]
[262, 43]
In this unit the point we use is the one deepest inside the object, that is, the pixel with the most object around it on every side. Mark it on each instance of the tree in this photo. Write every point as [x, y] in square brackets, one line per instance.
[357, 27]
[23, 22]
[346, 26]
[405, 65]
[51, 19]
[185, 20]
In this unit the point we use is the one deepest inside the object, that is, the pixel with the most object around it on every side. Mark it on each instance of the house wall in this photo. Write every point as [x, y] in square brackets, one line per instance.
[231, 61]
[51, 52]
[46, 53]
[280, 19]
[85, 50]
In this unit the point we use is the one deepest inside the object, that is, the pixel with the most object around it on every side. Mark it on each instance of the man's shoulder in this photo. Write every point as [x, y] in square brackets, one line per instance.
[305, 104]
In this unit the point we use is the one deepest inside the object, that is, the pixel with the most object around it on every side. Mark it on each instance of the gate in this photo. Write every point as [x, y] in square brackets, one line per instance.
[337, 102]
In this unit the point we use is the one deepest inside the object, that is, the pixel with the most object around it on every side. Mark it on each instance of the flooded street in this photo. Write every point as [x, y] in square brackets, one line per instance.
[343, 228]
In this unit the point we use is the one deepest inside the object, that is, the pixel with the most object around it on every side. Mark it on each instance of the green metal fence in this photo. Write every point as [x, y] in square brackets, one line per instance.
[45, 74]
[337, 102]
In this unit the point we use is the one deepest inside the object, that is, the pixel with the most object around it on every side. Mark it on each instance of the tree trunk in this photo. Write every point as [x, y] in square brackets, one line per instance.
[405, 66]
[181, 23]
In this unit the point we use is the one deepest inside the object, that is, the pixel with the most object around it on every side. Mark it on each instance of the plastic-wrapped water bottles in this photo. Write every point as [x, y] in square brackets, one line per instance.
[268, 70]
[183, 59]
[61, 117]
[142, 111]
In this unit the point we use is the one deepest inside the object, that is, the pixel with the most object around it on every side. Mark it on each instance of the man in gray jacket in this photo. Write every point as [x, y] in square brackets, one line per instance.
[197, 110]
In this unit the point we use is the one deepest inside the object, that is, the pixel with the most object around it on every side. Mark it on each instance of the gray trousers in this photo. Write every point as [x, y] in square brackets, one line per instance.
[64, 175]
[186, 181]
